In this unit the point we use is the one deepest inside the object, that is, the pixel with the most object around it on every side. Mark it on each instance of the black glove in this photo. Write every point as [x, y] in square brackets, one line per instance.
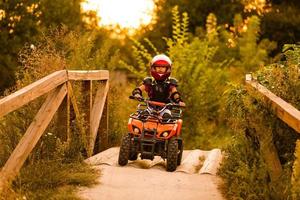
[138, 96]
[137, 93]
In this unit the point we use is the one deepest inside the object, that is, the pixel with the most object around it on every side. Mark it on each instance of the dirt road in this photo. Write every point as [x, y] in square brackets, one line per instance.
[142, 179]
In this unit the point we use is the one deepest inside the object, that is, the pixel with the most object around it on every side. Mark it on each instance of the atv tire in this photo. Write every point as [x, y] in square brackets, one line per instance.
[172, 155]
[124, 150]
[133, 156]
[180, 145]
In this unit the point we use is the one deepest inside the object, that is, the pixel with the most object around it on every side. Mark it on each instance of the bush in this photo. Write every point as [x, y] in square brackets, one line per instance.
[265, 135]
[244, 172]
[296, 173]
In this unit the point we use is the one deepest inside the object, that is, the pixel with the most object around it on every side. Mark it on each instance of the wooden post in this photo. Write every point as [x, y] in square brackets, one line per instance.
[61, 120]
[103, 129]
[32, 136]
[68, 115]
[87, 93]
[270, 155]
[267, 149]
[290, 115]
[96, 114]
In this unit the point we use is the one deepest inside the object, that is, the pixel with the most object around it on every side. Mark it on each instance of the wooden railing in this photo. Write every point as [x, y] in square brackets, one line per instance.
[283, 110]
[58, 85]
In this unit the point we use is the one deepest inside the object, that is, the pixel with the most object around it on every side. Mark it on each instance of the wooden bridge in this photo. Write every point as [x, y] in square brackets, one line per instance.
[58, 87]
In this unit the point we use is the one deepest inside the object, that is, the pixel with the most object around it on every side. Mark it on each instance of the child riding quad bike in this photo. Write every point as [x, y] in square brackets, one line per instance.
[153, 134]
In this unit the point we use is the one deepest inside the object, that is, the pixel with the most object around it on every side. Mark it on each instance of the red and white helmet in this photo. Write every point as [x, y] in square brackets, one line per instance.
[163, 61]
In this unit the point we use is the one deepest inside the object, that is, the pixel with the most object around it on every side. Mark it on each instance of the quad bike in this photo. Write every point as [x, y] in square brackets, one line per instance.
[153, 134]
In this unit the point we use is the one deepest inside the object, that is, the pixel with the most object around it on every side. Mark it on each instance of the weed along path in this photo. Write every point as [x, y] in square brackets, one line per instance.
[195, 178]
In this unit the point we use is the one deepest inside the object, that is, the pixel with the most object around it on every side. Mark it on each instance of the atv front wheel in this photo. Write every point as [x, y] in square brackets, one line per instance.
[180, 145]
[124, 150]
[133, 156]
[172, 155]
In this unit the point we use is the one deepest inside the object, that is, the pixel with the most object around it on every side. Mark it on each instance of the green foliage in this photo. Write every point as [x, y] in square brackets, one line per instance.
[257, 130]
[17, 26]
[255, 124]
[41, 180]
[23, 21]
[197, 11]
[282, 23]
[180, 29]
[201, 82]
[240, 44]
[251, 54]
[211, 28]
[243, 171]
[57, 12]
[292, 52]
[120, 107]
[296, 173]
[283, 78]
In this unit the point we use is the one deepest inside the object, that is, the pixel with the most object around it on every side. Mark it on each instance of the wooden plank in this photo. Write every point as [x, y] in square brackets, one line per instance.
[32, 136]
[68, 116]
[285, 111]
[96, 114]
[88, 75]
[267, 148]
[61, 121]
[31, 92]
[271, 158]
[103, 130]
[87, 95]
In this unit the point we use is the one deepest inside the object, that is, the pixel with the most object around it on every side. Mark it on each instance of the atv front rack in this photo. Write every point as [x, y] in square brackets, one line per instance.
[153, 118]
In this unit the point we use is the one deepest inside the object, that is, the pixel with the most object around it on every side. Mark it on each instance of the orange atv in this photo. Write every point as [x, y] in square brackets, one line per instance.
[153, 134]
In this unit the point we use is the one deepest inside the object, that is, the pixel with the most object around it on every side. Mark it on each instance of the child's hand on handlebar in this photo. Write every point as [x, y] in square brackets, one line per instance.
[138, 96]
[182, 104]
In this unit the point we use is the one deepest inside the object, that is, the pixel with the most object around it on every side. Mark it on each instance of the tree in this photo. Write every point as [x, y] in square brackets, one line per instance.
[57, 12]
[282, 24]
[18, 22]
[197, 10]
[22, 21]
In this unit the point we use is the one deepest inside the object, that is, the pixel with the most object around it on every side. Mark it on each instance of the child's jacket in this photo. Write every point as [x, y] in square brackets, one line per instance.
[159, 90]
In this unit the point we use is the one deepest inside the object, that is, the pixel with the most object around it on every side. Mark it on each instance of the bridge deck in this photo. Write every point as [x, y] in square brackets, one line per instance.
[144, 179]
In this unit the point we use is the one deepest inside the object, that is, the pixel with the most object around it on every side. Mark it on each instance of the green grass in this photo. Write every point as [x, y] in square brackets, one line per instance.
[53, 180]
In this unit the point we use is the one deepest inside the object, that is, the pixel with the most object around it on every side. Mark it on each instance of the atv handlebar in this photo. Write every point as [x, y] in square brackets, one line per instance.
[156, 103]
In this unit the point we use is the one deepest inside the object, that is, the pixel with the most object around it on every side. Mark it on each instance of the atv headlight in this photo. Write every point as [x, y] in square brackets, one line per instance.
[165, 134]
